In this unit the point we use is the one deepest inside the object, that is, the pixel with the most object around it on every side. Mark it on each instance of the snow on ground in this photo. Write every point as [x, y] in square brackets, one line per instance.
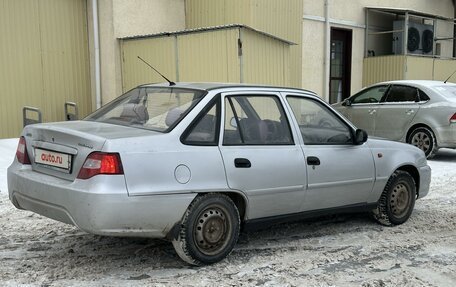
[349, 250]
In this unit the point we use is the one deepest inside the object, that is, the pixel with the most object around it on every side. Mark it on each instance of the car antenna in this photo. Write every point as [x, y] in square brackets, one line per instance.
[171, 83]
[449, 77]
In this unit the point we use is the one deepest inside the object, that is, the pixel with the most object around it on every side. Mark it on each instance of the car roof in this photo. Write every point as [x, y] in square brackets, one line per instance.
[423, 83]
[207, 86]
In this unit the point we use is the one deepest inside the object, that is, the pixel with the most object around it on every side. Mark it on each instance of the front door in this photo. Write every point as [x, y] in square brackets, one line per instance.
[260, 154]
[339, 173]
[362, 110]
[340, 65]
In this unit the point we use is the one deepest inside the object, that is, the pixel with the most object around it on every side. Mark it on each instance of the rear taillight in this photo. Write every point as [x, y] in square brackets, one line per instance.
[21, 152]
[101, 163]
[453, 119]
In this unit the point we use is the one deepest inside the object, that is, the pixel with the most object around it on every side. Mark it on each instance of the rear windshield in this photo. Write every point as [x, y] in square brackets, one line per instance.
[157, 109]
[448, 91]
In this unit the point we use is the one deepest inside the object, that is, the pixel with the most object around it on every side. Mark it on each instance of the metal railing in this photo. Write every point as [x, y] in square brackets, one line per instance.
[71, 111]
[27, 112]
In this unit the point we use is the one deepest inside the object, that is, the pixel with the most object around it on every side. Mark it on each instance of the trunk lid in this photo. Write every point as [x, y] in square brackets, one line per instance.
[60, 149]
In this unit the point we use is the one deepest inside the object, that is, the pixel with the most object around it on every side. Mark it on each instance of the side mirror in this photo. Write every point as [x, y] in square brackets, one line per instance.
[360, 136]
[346, 102]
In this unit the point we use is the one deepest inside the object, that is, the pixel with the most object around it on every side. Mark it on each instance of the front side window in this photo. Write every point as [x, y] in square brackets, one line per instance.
[157, 109]
[370, 96]
[255, 120]
[400, 94]
[318, 124]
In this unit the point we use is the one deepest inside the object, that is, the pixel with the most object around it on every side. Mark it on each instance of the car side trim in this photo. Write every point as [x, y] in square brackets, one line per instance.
[338, 183]
[261, 223]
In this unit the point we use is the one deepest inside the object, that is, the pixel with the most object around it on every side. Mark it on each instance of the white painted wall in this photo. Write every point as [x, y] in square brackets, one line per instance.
[142, 17]
[351, 15]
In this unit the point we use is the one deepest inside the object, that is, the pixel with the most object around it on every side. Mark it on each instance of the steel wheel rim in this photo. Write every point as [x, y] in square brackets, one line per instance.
[212, 230]
[400, 200]
[422, 141]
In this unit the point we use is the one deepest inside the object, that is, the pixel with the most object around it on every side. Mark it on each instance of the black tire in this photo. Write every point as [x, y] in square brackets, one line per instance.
[209, 230]
[424, 139]
[397, 200]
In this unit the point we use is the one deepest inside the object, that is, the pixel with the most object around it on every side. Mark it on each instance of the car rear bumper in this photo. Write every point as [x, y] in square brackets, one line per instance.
[425, 180]
[446, 136]
[99, 205]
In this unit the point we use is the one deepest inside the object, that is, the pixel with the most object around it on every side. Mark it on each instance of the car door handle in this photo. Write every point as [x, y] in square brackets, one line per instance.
[372, 112]
[313, 160]
[242, 163]
[409, 112]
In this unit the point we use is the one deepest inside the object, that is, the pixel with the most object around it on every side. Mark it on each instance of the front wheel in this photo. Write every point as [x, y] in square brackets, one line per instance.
[209, 230]
[424, 139]
[397, 200]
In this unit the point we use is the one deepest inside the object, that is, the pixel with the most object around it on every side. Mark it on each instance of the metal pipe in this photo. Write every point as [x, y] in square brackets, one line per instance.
[366, 35]
[327, 52]
[96, 43]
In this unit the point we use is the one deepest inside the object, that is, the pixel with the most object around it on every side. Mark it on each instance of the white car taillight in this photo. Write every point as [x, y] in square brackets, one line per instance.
[21, 152]
[101, 163]
[453, 119]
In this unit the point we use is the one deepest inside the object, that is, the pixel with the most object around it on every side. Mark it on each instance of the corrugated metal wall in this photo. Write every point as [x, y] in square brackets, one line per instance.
[44, 60]
[209, 56]
[443, 69]
[383, 68]
[209, 13]
[265, 60]
[418, 68]
[279, 18]
[400, 67]
[158, 52]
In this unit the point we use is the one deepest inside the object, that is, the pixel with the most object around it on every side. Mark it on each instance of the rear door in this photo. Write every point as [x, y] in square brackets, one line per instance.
[260, 154]
[397, 112]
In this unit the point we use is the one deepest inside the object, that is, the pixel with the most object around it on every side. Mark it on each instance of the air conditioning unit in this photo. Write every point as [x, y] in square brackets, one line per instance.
[420, 38]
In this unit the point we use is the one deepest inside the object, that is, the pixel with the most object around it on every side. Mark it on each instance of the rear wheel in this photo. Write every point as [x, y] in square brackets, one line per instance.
[397, 200]
[424, 139]
[209, 230]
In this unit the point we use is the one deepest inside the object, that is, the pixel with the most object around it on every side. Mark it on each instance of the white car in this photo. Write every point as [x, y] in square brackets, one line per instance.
[421, 113]
[195, 162]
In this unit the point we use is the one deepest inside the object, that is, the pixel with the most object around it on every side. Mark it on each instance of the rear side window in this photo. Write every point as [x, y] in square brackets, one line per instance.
[423, 96]
[204, 129]
[399, 94]
[255, 120]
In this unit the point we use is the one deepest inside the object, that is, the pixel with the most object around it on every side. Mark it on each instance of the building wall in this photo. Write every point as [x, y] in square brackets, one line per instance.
[282, 19]
[44, 60]
[143, 17]
[119, 18]
[351, 15]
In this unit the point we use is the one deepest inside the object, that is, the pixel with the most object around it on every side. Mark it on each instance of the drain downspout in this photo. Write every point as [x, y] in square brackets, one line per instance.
[327, 52]
[96, 43]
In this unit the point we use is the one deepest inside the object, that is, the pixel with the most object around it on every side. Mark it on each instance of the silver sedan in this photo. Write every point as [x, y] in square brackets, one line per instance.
[195, 162]
[421, 113]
